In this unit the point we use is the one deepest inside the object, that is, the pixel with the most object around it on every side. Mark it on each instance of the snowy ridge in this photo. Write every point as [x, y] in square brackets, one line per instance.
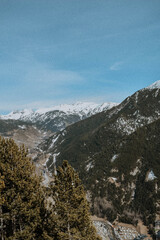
[18, 114]
[155, 85]
[79, 108]
[70, 108]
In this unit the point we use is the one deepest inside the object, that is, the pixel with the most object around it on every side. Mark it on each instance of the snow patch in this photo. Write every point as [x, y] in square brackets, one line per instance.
[136, 97]
[125, 125]
[22, 126]
[156, 93]
[47, 160]
[89, 166]
[54, 157]
[151, 176]
[114, 179]
[114, 157]
[53, 141]
[128, 126]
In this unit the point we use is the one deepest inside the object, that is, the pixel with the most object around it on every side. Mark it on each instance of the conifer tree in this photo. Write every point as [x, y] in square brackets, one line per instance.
[23, 214]
[71, 206]
[2, 185]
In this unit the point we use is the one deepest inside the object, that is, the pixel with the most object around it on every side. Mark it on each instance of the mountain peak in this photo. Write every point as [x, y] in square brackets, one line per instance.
[70, 108]
[72, 112]
[154, 85]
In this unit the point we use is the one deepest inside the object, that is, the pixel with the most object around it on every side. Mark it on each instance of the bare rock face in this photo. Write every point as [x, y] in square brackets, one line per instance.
[119, 231]
[104, 228]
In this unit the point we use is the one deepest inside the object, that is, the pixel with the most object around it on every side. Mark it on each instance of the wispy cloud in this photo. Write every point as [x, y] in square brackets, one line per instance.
[27, 70]
[57, 77]
[116, 66]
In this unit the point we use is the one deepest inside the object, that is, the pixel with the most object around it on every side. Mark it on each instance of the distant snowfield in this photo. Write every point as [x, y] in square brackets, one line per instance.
[17, 114]
[80, 108]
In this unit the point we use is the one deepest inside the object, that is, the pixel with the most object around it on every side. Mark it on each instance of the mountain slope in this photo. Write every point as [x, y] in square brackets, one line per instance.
[33, 127]
[114, 152]
[109, 126]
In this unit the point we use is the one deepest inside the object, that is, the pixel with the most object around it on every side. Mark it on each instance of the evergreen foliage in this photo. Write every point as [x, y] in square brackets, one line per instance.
[23, 214]
[2, 185]
[71, 206]
[26, 212]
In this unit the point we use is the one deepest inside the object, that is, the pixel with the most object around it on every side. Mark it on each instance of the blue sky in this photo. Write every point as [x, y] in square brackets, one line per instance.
[63, 51]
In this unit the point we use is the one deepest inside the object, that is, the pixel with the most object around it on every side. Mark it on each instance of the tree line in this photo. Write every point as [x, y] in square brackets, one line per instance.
[31, 211]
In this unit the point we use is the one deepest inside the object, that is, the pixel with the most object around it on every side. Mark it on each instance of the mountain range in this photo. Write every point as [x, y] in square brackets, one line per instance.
[58, 117]
[114, 148]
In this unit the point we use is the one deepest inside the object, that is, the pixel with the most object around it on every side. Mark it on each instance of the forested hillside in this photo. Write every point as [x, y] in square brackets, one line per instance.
[116, 153]
[28, 210]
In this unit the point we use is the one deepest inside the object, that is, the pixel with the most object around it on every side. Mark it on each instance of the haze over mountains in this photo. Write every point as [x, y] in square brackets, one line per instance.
[115, 149]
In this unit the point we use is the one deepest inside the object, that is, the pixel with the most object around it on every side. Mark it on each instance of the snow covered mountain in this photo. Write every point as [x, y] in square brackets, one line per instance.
[116, 152]
[58, 117]
[117, 155]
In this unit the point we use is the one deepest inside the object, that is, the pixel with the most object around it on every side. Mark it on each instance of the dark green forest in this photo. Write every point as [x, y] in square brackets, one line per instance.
[29, 210]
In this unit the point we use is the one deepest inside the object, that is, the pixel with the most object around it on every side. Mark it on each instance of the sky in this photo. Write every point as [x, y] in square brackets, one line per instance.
[63, 51]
